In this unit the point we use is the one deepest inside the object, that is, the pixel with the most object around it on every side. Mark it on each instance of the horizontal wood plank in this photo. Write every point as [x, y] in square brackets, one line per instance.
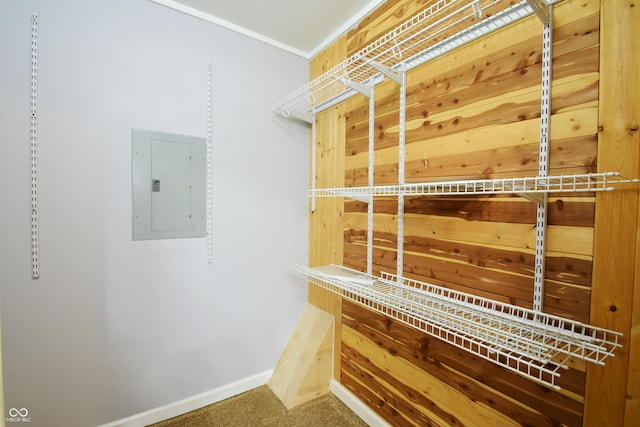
[497, 388]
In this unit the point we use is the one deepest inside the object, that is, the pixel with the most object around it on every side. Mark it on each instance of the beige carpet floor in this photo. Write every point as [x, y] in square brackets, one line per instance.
[260, 407]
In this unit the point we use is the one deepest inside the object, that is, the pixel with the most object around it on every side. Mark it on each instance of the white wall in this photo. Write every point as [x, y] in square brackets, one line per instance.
[115, 327]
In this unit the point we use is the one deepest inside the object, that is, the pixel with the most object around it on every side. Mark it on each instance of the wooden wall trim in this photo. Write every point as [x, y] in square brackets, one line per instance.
[615, 276]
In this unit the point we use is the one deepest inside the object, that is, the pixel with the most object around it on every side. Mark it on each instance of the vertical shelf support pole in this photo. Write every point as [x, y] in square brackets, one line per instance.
[543, 162]
[313, 164]
[369, 92]
[209, 168]
[35, 251]
[372, 116]
[401, 166]
[400, 77]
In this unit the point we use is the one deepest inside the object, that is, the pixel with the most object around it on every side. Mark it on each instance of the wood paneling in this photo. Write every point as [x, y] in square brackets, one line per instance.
[474, 113]
[612, 390]
[632, 403]
[325, 224]
[477, 116]
[417, 378]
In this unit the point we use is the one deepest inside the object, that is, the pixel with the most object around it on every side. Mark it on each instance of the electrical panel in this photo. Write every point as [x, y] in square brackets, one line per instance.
[169, 185]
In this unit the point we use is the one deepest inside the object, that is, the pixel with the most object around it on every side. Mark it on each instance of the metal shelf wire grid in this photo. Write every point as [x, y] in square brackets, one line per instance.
[442, 27]
[533, 344]
[604, 181]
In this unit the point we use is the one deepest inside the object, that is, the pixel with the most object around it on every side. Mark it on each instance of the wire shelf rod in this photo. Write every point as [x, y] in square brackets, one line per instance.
[443, 26]
[591, 182]
[534, 369]
[479, 323]
[496, 352]
[525, 323]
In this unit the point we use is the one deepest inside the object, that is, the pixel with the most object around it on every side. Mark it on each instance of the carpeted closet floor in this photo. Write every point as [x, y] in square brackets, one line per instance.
[260, 407]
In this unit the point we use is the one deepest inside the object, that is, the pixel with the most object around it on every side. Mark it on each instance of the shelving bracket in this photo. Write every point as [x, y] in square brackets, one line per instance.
[541, 9]
[302, 116]
[394, 75]
[361, 88]
[363, 199]
[537, 198]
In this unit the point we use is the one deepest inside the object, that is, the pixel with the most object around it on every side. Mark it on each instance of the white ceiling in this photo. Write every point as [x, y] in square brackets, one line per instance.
[303, 27]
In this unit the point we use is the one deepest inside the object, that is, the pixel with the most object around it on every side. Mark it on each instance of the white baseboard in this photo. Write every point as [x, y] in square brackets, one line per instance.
[192, 403]
[367, 414]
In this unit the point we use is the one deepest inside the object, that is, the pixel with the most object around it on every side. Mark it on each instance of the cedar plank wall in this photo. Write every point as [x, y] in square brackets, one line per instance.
[615, 302]
[475, 114]
[325, 224]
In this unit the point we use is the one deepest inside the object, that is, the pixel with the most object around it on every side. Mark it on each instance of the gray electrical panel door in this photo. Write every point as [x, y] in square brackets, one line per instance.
[169, 185]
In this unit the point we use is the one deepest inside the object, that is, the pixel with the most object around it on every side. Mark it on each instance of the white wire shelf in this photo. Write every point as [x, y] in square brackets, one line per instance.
[534, 344]
[604, 181]
[442, 27]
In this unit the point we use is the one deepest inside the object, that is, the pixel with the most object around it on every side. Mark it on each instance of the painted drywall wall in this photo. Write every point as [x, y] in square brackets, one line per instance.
[115, 327]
